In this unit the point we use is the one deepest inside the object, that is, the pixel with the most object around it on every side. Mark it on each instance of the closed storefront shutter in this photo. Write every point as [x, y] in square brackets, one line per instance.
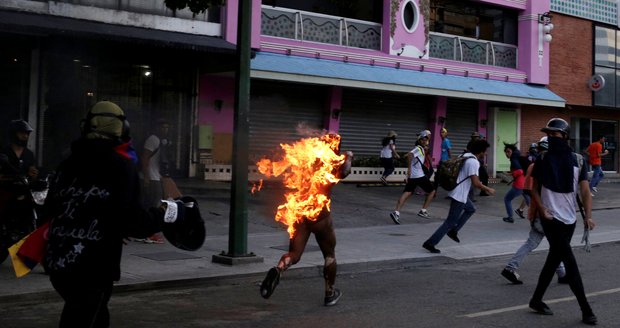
[283, 113]
[367, 117]
[461, 119]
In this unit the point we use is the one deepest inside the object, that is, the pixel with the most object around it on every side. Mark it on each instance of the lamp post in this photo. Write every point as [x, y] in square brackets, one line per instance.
[544, 34]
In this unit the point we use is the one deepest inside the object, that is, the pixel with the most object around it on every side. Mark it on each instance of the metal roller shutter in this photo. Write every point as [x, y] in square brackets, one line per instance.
[367, 117]
[461, 119]
[276, 112]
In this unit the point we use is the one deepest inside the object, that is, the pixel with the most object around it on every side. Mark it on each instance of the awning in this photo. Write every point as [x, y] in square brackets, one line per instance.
[37, 24]
[328, 72]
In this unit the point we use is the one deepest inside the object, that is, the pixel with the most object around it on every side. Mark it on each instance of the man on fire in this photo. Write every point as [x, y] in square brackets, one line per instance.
[310, 168]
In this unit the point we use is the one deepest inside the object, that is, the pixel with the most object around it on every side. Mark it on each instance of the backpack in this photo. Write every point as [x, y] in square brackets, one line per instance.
[448, 172]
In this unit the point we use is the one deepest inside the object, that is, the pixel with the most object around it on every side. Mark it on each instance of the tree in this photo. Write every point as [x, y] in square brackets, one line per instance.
[195, 6]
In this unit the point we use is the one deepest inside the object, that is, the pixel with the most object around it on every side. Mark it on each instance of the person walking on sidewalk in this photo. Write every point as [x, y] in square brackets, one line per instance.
[416, 177]
[536, 232]
[595, 152]
[323, 229]
[559, 175]
[388, 155]
[461, 206]
[518, 180]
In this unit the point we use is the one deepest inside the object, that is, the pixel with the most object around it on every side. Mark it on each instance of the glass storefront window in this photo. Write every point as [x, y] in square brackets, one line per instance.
[607, 95]
[605, 47]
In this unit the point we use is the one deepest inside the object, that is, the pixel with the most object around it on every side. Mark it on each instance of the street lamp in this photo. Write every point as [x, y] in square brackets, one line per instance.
[544, 33]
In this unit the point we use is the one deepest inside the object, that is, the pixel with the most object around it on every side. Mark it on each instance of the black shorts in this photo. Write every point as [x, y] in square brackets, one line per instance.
[422, 182]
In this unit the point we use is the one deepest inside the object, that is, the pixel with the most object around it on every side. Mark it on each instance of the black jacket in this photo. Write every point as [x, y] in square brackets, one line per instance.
[94, 203]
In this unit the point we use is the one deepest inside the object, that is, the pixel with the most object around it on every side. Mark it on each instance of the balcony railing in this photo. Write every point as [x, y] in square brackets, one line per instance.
[452, 47]
[309, 26]
[150, 7]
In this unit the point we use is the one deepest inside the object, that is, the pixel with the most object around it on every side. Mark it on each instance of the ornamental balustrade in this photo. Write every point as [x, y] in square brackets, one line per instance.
[452, 47]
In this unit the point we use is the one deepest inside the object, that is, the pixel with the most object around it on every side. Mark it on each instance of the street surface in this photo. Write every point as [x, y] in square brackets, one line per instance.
[435, 292]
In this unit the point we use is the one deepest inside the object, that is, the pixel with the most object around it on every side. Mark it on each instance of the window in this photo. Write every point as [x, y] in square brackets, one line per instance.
[607, 64]
[410, 16]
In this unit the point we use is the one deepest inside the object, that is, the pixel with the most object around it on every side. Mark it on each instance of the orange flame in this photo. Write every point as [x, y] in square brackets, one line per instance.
[307, 167]
[257, 188]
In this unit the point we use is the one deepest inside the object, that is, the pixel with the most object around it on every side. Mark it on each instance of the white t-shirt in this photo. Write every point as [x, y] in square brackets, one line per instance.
[386, 152]
[152, 144]
[562, 205]
[470, 168]
[416, 162]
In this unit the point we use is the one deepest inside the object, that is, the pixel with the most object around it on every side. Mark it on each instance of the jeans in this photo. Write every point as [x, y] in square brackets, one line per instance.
[457, 217]
[531, 244]
[512, 194]
[559, 236]
[597, 176]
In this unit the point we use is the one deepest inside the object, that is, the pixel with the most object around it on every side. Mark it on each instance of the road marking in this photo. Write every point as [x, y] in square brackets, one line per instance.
[553, 301]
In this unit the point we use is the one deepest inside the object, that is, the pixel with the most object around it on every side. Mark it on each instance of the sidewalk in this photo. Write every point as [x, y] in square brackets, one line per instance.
[367, 238]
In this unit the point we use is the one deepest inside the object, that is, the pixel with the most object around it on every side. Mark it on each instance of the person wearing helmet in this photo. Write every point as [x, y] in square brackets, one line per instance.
[388, 155]
[559, 175]
[416, 177]
[94, 204]
[536, 232]
[21, 160]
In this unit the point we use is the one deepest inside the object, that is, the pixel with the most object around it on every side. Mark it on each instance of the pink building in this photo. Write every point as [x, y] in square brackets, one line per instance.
[383, 65]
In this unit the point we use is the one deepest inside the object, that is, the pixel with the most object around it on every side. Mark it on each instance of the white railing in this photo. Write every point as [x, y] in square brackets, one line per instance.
[315, 27]
[221, 172]
[453, 47]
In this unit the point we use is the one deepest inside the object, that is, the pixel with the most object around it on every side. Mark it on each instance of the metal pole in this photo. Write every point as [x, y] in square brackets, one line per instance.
[238, 230]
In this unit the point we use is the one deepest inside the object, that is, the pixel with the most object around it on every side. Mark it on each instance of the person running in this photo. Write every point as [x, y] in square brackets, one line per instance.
[536, 232]
[388, 155]
[559, 175]
[461, 206]
[416, 177]
[595, 152]
[323, 229]
[531, 157]
[514, 154]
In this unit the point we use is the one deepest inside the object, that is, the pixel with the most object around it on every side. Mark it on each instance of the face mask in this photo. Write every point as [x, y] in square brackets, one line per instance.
[557, 144]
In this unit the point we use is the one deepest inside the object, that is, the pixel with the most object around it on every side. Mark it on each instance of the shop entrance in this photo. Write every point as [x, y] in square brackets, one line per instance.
[589, 130]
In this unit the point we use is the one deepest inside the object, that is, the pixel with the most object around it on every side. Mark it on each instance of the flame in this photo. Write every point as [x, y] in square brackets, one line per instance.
[257, 188]
[307, 167]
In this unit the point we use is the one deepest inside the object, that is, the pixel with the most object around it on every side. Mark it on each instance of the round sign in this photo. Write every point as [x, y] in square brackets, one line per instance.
[596, 83]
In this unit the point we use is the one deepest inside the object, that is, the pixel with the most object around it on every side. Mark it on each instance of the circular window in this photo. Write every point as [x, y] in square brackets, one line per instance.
[410, 16]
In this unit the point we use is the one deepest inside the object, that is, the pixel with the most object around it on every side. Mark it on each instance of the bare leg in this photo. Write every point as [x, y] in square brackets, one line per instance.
[326, 238]
[402, 199]
[428, 199]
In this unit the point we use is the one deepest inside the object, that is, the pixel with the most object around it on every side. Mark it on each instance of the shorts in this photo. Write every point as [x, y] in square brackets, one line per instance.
[422, 182]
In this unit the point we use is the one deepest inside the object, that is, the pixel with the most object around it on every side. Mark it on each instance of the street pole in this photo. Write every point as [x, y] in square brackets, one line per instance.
[238, 221]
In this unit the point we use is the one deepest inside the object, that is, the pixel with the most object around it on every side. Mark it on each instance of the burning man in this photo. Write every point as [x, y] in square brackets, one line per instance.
[310, 168]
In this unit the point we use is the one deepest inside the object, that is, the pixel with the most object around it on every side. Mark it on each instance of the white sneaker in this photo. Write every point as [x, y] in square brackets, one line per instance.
[424, 214]
[594, 189]
[395, 217]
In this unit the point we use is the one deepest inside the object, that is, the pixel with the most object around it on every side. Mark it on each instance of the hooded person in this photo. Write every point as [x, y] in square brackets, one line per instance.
[92, 205]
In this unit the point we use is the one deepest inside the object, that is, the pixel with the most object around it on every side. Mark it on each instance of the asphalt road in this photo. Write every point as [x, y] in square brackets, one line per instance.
[435, 292]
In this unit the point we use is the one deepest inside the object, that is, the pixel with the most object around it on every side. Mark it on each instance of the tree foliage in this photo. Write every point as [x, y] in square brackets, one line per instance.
[195, 6]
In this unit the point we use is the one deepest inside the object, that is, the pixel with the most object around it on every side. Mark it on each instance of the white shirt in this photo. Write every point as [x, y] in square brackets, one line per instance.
[386, 152]
[416, 162]
[562, 205]
[152, 144]
[470, 168]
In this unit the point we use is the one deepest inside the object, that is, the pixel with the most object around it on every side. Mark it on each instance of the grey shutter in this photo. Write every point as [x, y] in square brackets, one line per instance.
[461, 122]
[277, 109]
[367, 117]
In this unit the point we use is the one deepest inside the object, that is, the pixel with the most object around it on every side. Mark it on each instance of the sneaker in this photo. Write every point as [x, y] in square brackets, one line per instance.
[594, 189]
[589, 318]
[430, 247]
[509, 220]
[333, 299]
[383, 180]
[395, 217]
[452, 234]
[520, 213]
[154, 239]
[512, 276]
[592, 194]
[270, 283]
[540, 307]
[424, 214]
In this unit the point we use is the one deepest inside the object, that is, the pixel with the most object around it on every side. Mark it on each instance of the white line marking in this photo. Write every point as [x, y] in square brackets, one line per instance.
[553, 301]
